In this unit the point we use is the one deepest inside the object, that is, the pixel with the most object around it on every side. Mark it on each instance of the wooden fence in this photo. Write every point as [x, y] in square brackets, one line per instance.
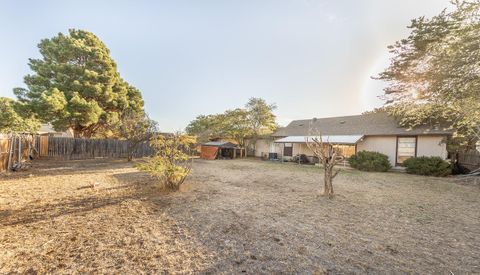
[63, 148]
[469, 159]
[15, 150]
[79, 148]
[4, 153]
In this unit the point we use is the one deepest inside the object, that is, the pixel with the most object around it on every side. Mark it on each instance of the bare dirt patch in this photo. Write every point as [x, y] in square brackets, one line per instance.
[232, 217]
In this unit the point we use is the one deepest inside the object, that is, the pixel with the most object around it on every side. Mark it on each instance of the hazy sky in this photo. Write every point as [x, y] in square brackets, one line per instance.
[313, 58]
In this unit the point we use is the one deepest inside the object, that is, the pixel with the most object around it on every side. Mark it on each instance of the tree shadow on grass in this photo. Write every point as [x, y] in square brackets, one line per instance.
[49, 211]
[134, 178]
[132, 186]
[48, 168]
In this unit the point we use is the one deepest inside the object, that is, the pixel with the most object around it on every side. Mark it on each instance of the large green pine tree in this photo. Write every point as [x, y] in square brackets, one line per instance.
[13, 119]
[76, 85]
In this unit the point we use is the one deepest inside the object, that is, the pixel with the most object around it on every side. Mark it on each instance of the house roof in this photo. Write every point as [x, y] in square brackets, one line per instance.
[367, 124]
[221, 144]
[351, 139]
[46, 128]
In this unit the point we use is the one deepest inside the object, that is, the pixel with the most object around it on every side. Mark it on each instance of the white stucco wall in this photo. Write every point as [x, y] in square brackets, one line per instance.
[432, 146]
[382, 144]
[265, 146]
[261, 147]
[426, 146]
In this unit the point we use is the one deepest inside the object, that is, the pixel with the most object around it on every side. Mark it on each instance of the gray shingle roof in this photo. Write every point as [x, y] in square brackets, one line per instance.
[367, 124]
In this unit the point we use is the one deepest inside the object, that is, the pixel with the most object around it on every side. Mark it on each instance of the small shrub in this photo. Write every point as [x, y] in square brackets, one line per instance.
[370, 161]
[428, 166]
[171, 163]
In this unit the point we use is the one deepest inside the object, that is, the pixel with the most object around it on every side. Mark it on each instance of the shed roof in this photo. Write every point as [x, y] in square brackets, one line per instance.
[221, 144]
[379, 123]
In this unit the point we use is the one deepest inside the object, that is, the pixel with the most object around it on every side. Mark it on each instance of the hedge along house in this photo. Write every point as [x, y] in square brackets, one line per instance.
[377, 132]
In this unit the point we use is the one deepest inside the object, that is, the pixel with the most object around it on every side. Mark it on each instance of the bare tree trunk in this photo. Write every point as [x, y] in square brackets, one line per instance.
[328, 157]
[131, 150]
[328, 181]
[76, 133]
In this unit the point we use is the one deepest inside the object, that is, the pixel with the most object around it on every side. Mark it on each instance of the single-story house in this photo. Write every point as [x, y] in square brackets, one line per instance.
[220, 149]
[48, 130]
[377, 132]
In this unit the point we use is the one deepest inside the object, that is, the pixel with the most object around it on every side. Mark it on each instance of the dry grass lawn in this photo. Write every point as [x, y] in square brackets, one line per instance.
[233, 217]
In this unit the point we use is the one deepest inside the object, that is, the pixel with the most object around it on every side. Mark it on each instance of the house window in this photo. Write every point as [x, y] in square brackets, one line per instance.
[288, 150]
[406, 148]
[345, 150]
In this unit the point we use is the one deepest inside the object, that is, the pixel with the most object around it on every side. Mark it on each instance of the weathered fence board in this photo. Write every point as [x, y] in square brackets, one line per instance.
[79, 148]
[469, 159]
[15, 150]
[4, 149]
[64, 148]
[43, 143]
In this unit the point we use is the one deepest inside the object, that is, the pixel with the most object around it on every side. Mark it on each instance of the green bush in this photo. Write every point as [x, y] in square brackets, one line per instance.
[370, 161]
[428, 166]
[172, 162]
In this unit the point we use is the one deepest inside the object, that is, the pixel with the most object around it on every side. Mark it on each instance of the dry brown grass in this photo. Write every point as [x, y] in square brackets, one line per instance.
[234, 216]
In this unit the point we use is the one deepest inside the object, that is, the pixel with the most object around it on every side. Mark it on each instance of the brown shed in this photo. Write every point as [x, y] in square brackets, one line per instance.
[221, 150]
